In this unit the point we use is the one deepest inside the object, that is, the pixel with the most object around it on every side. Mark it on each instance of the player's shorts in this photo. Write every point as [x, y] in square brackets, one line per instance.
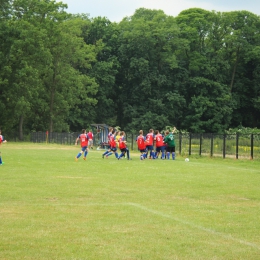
[149, 148]
[170, 149]
[113, 149]
[143, 151]
[123, 150]
[160, 149]
[90, 142]
[84, 148]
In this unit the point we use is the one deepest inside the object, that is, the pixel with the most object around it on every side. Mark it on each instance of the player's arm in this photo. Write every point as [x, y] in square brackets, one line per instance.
[76, 142]
[174, 130]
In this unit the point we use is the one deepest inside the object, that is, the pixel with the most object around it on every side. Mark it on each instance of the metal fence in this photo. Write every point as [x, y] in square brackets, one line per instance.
[221, 145]
[53, 137]
[225, 145]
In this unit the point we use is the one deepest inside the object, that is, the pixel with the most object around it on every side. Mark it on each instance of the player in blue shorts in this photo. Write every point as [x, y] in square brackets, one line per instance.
[149, 144]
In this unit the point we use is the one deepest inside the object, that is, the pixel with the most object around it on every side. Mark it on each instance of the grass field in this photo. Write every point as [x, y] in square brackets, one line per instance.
[55, 208]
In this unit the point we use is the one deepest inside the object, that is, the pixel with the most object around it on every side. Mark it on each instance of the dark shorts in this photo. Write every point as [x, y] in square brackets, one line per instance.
[160, 149]
[170, 149]
[113, 149]
[149, 147]
[124, 150]
[143, 151]
[84, 148]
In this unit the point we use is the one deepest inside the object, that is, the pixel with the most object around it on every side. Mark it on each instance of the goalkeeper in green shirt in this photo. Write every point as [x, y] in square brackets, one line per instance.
[169, 140]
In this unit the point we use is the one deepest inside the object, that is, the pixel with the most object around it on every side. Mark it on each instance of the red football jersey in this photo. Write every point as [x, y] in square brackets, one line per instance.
[149, 139]
[90, 135]
[122, 144]
[112, 141]
[159, 140]
[83, 140]
[141, 143]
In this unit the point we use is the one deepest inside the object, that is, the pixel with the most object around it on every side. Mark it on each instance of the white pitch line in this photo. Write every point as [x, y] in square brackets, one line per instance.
[158, 213]
[229, 237]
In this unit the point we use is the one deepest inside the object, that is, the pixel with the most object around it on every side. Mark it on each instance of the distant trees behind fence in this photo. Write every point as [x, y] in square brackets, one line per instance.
[198, 71]
[222, 145]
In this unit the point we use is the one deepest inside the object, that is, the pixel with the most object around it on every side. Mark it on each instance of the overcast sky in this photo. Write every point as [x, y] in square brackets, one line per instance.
[116, 10]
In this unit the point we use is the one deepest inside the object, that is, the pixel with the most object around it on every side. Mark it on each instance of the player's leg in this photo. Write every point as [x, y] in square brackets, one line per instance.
[109, 153]
[163, 153]
[168, 152]
[80, 153]
[173, 153]
[116, 154]
[85, 153]
[147, 151]
[141, 155]
[128, 154]
[106, 152]
[152, 153]
[1, 162]
[122, 154]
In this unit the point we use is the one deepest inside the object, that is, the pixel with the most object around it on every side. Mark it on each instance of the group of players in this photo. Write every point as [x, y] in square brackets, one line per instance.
[86, 141]
[165, 145]
[117, 139]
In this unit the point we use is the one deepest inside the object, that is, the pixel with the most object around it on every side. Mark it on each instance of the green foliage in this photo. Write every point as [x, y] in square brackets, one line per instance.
[243, 130]
[61, 72]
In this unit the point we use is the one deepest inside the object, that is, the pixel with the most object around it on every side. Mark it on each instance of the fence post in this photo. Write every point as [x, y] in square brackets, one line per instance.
[132, 142]
[224, 146]
[200, 144]
[180, 141]
[237, 140]
[190, 145]
[252, 147]
[211, 145]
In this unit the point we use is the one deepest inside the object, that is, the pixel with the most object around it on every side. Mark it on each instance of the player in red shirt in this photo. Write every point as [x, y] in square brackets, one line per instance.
[90, 140]
[149, 144]
[141, 145]
[112, 143]
[108, 137]
[84, 144]
[160, 146]
[123, 146]
[2, 140]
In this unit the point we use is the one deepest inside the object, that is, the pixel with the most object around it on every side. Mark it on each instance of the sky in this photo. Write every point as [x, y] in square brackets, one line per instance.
[116, 10]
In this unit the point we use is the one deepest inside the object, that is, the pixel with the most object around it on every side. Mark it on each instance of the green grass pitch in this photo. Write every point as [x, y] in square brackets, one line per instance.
[52, 207]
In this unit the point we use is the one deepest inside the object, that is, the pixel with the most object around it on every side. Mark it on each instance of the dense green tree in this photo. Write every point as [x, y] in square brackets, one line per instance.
[148, 42]
[103, 34]
[207, 93]
[241, 42]
[65, 85]
[44, 81]
[198, 71]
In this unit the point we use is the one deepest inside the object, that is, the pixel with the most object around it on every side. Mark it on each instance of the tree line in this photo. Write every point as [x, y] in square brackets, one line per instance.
[60, 72]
